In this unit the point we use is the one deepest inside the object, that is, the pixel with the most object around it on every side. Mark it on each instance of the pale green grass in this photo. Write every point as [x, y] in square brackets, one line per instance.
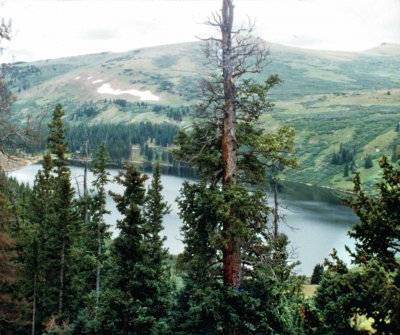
[309, 290]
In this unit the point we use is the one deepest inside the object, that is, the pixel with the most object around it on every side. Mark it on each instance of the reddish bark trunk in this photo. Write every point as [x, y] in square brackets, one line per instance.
[231, 249]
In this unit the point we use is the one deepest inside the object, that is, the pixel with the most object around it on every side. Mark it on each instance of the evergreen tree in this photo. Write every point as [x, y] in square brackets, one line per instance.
[98, 211]
[49, 233]
[66, 220]
[90, 251]
[373, 288]
[395, 154]
[224, 220]
[11, 308]
[136, 289]
[39, 241]
[368, 162]
[377, 233]
[346, 171]
[317, 274]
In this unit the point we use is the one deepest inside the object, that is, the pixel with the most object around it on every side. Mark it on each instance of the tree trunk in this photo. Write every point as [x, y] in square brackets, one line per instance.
[34, 303]
[231, 249]
[62, 274]
[85, 187]
[99, 251]
[276, 204]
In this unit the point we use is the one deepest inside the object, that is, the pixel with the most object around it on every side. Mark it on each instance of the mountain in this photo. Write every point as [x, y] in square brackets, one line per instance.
[337, 101]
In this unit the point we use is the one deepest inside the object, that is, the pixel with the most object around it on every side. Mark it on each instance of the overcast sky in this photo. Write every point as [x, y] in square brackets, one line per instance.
[55, 28]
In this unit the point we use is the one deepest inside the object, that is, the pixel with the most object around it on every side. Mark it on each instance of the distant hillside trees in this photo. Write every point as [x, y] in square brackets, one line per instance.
[317, 274]
[91, 109]
[346, 170]
[344, 155]
[395, 153]
[118, 139]
[368, 162]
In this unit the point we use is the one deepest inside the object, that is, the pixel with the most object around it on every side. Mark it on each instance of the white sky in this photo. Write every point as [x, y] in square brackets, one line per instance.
[55, 28]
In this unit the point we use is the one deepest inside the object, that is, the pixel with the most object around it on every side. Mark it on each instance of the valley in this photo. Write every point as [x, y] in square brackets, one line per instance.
[332, 99]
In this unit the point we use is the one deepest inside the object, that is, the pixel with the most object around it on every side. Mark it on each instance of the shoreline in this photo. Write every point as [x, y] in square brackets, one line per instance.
[12, 163]
[330, 188]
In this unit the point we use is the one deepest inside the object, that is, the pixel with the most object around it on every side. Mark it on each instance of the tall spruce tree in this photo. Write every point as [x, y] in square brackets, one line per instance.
[378, 231]
[65, 223]
[373, 287]
[38, 246]
[90, 252]
[98, 210]
[137, 287]
[11, 310]
[228, 234]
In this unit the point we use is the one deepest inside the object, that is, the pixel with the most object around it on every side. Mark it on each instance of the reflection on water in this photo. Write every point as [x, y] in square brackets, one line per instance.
[314, 218]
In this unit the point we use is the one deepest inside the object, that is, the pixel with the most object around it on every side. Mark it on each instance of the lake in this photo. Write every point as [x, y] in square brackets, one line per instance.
[314, 219]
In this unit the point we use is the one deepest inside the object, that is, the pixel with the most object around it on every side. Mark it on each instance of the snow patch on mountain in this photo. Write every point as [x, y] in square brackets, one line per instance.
[143, 95]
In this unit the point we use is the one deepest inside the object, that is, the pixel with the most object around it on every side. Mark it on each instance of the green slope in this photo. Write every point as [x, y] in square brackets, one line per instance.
[329, 97]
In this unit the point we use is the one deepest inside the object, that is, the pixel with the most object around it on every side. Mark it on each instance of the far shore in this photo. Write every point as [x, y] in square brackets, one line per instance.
[10, 163]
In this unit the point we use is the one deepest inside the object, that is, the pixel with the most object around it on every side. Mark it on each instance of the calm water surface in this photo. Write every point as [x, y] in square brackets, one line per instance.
[315, 220]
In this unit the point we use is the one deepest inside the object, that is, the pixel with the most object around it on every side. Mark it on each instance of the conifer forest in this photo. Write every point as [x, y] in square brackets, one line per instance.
[63, 270]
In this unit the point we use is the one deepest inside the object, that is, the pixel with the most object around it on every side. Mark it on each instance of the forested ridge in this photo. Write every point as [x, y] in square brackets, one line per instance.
[153, 141]
[61, 272]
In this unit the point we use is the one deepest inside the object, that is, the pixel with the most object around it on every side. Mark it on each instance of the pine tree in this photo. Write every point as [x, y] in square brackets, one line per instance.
[11, 310]
[98, 211]
[38, 246]
[137, 286]
[66, 221]
[377, 233]
[346, 171]
[224, 219]
[317, 274]
[368, 162]
[373, 287]
[158, 274]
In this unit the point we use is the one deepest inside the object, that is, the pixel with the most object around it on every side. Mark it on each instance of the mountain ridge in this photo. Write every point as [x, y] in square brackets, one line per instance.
[330, 97]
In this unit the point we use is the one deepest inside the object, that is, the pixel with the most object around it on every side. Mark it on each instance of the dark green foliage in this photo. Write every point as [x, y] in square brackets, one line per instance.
[378, 232]
[267, 301]
[353, 167]
[346, 171]
[372, 289]
[12, 307]
[118, 138]
[262, 306]
[40, 242]
[136, 297]
[235, 272]
[49, 229]
[395, 154]
[65, 218]
[368, 162]
[317, 274]
[344, 155]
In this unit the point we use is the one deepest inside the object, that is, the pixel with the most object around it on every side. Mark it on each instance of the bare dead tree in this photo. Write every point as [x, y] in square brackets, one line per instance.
[11, 133]
[5, 30]
[237, 52]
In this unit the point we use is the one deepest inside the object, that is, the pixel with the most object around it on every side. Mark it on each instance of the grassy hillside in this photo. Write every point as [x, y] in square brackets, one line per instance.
[332, 99]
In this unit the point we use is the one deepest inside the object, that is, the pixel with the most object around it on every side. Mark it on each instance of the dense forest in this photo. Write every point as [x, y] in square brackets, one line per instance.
[153, 141]
[61, 272]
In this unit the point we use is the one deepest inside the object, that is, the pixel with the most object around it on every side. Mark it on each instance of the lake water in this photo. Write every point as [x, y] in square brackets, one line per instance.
[315, 220]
